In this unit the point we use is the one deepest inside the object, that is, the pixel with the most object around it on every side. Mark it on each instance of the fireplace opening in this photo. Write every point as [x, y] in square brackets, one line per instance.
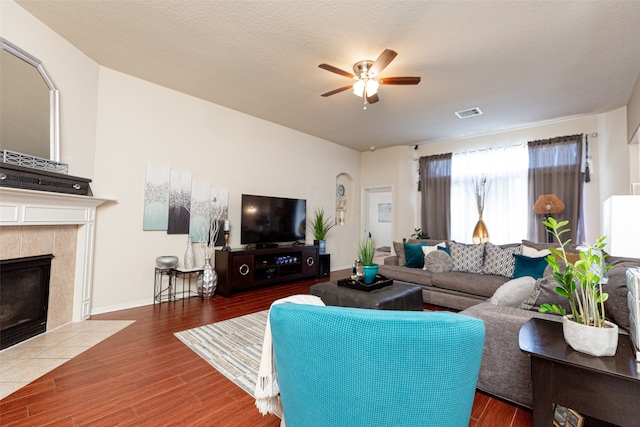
[24, 297]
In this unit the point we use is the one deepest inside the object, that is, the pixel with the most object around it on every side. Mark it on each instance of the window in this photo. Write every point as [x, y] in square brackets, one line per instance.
[506, 205]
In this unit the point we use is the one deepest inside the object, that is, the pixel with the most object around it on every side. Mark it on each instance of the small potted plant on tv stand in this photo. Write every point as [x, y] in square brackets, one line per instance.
[320, 226]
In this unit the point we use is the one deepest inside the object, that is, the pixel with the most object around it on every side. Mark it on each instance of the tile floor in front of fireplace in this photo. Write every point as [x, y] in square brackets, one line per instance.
[29, 360]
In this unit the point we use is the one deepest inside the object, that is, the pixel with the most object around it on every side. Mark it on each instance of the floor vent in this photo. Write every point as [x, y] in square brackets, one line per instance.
[468, 113]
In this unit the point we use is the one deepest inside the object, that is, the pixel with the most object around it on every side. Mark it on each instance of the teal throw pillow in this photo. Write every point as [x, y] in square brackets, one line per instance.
[445, 249]
[527, 266]
[414, 255]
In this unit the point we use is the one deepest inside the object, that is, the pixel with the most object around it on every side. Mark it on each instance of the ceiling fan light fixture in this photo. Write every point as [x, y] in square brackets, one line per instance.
[372, 87]
[364, 75]
[358, 88]
[367, 85]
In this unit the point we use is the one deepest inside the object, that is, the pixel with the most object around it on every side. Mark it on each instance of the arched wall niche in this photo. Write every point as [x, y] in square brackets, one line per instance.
[345, 196]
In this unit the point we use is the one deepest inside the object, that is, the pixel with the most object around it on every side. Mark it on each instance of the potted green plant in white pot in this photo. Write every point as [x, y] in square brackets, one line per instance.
[585, 329]
[320, 225]
[366, 249]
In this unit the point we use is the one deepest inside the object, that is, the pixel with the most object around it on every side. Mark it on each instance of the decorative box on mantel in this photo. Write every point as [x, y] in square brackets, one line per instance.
[34, 179]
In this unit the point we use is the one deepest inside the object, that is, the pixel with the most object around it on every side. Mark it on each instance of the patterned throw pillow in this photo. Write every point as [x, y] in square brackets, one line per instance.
[499, 261]
[467, 258]
[438, 262]
[426, 250]
[399, 248]
[544, 292]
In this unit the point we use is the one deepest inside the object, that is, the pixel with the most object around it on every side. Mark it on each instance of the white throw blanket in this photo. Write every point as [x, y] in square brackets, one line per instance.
[267, 388]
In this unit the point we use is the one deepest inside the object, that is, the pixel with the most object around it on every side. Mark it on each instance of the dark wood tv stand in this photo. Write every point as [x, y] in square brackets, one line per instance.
[241, 269]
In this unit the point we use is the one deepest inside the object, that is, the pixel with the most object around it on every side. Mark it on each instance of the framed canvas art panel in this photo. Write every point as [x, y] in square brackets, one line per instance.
[220, 209]
[200, 212]
[384, 212]
[179, 202]
[156, 197]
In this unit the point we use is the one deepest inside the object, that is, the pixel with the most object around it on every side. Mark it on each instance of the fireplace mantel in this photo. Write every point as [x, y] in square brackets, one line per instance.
[20, 207]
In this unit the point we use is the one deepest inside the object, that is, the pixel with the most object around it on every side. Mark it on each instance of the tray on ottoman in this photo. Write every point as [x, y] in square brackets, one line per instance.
[379, 282]
[398, 296]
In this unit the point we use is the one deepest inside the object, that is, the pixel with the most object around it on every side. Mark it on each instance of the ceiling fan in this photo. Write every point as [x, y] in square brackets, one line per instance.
[365, 73]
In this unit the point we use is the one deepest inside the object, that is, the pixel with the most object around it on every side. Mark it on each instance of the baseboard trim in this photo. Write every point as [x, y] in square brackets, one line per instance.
[118, 307]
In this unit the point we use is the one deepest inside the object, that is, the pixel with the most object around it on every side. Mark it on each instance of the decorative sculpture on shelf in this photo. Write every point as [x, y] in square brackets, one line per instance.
[207, 287]
[341, 208]
[227, 228]
[480, 191]
[189, 256]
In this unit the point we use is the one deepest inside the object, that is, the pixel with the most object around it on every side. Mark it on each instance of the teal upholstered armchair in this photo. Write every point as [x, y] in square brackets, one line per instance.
[352, 367]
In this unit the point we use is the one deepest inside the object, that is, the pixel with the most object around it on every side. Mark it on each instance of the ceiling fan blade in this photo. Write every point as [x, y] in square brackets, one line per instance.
[383, 60]
[336, 70]
[373, 98]
[333, 92]
[400, 81]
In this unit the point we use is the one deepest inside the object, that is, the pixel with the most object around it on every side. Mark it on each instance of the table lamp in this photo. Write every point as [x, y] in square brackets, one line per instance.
[546, 205]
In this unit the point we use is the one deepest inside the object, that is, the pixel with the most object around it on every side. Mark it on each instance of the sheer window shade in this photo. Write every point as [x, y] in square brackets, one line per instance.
[505, 213]
[518, 175]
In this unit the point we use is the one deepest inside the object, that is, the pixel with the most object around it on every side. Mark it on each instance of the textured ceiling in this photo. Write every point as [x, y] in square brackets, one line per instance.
[520, 62]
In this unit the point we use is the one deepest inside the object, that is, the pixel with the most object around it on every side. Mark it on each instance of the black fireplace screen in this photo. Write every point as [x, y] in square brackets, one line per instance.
[24, 296]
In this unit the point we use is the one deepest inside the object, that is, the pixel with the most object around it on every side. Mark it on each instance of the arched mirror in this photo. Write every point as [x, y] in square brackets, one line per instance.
[29, 106]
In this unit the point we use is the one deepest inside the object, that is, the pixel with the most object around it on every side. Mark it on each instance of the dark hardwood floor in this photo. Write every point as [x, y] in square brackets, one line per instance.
[144, 376]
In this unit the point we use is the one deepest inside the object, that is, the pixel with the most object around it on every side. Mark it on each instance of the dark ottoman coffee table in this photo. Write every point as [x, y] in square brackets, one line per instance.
[399, 296]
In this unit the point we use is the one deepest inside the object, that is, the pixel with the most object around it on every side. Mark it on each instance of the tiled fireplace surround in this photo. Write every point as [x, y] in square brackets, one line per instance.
[39, 223]
[59, 240]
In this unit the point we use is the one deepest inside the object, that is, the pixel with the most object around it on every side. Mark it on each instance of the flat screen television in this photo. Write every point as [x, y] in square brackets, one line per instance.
[272, 220]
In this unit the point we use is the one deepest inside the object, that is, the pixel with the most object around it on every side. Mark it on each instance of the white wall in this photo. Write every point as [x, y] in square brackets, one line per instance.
[610, 167]
[633, 111]
[614, 155]
[395, 168]
[140, 122]
[75, 75]
[113, 124]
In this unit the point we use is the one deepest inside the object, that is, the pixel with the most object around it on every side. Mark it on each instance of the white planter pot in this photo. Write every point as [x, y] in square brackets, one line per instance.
[589, 339]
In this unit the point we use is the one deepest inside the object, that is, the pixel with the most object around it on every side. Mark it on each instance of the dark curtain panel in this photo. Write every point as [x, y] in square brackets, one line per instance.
[435, 184]
[554, 168]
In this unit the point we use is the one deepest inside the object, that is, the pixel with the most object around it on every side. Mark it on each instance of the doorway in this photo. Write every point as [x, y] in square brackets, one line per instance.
[378, 215]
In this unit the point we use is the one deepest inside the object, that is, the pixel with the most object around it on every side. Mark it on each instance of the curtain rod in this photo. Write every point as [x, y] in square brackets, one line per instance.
[588, 135]
[479, 150]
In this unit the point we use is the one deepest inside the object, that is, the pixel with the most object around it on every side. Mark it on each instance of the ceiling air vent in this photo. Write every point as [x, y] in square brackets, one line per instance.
[468, 113]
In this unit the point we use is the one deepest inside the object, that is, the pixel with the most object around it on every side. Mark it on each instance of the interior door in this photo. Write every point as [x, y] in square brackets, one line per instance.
[378, 220]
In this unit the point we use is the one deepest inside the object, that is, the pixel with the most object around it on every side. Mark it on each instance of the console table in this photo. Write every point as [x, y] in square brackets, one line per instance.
[172, 274]
[606, 388]
[241, 269]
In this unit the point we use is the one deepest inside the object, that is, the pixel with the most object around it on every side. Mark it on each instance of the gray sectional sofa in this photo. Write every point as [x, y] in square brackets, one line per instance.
[505, 370]
[451, 289]
[457, 290]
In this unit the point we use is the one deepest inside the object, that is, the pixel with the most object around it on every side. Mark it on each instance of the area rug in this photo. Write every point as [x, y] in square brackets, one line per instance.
[233, 347]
